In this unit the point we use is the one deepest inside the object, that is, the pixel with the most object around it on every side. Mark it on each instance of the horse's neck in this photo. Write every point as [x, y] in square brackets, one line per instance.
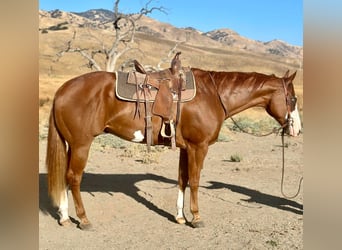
[245, 104]
[238, 95]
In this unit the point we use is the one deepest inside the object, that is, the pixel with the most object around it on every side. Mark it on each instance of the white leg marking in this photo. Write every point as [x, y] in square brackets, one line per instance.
[138, 136]
[180, 204]
[63, 206]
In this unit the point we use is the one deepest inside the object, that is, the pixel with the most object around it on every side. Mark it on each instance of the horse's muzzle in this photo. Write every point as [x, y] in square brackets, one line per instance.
[293, 127]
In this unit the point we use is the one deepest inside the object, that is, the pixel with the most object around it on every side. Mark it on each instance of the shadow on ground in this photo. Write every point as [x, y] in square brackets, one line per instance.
[261, 198]
[107, 183]
[126, 184]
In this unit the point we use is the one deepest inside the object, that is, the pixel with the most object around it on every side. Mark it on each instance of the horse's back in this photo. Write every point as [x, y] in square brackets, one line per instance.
[86, 84]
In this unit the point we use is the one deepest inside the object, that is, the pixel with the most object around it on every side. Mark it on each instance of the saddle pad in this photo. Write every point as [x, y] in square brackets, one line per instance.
[127, 91]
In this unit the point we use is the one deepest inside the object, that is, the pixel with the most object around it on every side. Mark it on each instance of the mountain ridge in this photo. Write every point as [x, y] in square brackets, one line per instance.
[225, 36]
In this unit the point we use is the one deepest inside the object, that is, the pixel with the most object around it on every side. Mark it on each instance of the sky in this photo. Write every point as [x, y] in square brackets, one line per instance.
[262, 20]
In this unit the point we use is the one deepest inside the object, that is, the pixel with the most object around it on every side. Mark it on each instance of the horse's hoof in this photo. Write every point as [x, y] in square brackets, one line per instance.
[65, 223]
[85, 225]
[197, 224]
[180, 220]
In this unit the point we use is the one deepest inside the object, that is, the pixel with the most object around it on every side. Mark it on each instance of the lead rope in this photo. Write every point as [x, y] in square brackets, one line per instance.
[283, 172]
[283, 149]
[275, 130]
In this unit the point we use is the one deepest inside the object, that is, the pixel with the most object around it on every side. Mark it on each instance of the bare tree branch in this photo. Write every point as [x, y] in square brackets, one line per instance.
[147, 10]
[69, 48]
[169, 56]
[116, 9]
[123, 42]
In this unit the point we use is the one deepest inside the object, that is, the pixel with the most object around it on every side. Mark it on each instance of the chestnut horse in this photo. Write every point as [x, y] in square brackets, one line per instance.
[86, 106]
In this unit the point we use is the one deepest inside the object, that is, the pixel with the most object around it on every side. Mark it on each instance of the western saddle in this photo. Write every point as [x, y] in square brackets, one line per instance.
[169, 84]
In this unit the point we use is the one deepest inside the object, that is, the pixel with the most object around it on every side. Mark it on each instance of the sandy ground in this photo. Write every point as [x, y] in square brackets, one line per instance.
[132, 204]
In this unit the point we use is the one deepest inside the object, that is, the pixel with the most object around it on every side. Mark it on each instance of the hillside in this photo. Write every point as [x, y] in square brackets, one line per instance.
[219, 50]
[221, 41]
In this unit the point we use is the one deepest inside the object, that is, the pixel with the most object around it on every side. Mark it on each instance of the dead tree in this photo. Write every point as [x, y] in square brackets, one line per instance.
[124, 33]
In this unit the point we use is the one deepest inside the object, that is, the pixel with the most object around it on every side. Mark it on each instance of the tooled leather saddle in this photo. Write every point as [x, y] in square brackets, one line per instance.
[160, 90]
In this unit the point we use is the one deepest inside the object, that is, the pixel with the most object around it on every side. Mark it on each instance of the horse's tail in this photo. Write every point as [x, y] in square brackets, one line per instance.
[56, 160]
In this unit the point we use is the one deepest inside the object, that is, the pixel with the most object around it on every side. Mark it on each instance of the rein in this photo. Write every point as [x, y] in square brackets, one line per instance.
[276, 131]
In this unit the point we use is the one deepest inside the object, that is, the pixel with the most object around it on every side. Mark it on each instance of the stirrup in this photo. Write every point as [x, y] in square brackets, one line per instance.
[172, 127]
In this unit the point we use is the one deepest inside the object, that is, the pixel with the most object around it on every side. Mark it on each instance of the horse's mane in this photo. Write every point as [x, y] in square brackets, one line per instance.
[257, 79]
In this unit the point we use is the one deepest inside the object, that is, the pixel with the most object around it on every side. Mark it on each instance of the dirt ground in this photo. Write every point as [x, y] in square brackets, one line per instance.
[132, 204]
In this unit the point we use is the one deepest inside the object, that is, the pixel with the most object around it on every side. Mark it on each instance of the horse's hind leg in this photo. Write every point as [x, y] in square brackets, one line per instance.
[183, 179]
[78, 159]
[63, 208]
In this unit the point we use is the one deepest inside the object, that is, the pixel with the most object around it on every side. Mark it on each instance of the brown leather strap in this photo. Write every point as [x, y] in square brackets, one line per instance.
[137, 110]
[148, 116]
[148, 120]
[180, 87]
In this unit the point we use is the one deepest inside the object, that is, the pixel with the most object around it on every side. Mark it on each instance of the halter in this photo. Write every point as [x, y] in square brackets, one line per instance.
[290, 102]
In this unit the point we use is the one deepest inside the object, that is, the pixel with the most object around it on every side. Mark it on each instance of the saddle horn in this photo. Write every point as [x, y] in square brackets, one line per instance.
[138, 67]
[176, 63]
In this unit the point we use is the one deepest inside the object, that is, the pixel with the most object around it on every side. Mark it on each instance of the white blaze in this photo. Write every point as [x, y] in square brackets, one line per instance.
[295, 126]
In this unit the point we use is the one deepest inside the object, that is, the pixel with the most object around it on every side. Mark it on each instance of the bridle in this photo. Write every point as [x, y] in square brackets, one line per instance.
[290, 102]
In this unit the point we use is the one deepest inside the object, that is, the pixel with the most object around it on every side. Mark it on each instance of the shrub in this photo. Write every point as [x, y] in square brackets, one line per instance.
[58, 26]
[43, 101]
[108, 140]
[139, 152]
[252, 126]
[235, 158]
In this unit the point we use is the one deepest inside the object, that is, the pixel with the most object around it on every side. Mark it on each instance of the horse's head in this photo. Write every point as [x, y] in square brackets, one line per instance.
[283, 106]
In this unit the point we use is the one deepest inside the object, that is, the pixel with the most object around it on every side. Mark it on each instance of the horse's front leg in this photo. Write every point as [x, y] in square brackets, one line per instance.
[196, 157]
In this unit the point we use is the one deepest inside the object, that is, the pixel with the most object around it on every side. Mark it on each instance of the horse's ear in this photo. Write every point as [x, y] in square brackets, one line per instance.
[289, 79]
[286, 74]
